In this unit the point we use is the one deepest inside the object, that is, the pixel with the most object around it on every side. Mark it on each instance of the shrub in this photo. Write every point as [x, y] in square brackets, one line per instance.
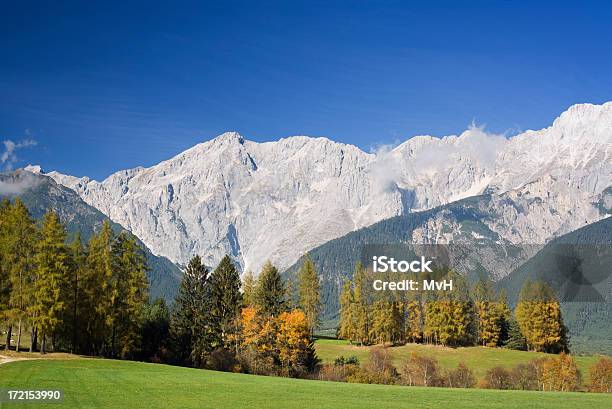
[351, 360]
[221, 360]
[421, 371]
[601, 376]
[559, 374]
[336, 373]
[497, 378]
[524, 377]
[461, 377]
[378, 369]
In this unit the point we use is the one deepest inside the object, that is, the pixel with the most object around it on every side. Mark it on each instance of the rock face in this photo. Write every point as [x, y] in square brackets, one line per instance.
[277, 200]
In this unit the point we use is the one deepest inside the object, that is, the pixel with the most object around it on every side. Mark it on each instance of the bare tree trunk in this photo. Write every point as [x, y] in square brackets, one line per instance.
[43, 344]
[9, 334]
[18, 335]
[33, 339]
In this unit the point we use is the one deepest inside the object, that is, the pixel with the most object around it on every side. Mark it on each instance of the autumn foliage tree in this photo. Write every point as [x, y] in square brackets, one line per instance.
[538, 314]
[601, 376]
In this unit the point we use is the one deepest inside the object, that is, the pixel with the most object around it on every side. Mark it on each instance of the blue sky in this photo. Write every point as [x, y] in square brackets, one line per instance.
[88, 90]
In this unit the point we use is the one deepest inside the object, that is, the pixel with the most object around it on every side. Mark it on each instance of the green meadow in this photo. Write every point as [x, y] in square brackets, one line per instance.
[98, 383]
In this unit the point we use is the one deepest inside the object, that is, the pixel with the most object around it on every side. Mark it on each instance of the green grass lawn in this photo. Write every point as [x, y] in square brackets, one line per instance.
[97, 383]
[480, 359]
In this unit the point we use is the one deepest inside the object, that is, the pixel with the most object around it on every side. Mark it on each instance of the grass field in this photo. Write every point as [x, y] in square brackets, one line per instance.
[480, 359]
[97, 383]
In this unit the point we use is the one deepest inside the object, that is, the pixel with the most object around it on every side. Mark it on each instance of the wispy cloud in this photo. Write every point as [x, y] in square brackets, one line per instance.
[8, 158]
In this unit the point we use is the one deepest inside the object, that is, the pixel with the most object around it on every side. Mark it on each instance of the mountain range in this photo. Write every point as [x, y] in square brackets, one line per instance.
[279, 200]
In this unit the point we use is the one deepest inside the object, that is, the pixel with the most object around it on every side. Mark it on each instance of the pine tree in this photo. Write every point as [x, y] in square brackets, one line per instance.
[99, 290]
[52, 273]
[249, 288]
[78, 258]
[361, 305]
[131, 286]
[490, 314]
[310, 298]
[19, 259]
[5, 281]
[515, 339]
[348, 325]
[226, 300]
[270, 294]
[188, 325]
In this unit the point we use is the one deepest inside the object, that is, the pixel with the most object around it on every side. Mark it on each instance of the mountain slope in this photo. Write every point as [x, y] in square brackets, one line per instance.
[40, 194]
[278, 200]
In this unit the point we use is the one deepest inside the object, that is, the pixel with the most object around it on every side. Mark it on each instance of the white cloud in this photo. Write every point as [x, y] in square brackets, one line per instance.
[9, 157]
[18, 183]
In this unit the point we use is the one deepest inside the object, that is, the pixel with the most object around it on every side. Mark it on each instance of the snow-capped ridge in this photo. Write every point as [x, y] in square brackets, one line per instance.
[277, 200]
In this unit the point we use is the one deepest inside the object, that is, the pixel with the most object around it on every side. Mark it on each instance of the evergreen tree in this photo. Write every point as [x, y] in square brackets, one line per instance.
[155, 331]
[348, 326]
[5, 281]
[52, 273]
[249, 289]
[310, 298]
[515, 339]
[226, 300]
[130, 285]
[19, 260]
[78, 257]
[188, 326]
[99, 290]
[361, 306]
[490, 313]
[270, 294]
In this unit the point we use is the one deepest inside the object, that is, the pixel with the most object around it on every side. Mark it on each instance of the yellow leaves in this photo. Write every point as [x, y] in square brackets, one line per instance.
[601, 376]
[292, 337]
[559, 374]
[540, 323]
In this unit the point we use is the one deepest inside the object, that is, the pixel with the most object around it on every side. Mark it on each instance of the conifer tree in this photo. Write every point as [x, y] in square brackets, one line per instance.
[361, 305]
[130, 284]
[52, 273]
[386, 322]
[5, 282]
[226, 300]
[414, 321]
[188, 326]
[515, 339]
[347, 326]
[538, 314]
[490, 313]
[19, 259]
[99, 290]
[249, 289]
[78, 258]
[270, 294]
[310, 298]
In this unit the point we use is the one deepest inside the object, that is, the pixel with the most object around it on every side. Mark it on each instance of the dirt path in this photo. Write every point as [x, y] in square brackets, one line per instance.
[6, 359]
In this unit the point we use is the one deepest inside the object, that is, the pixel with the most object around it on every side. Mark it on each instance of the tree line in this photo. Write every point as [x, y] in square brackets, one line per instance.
[252, 325]
[552, 373]
[466, 316]
[92, 298]
[81, 297]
